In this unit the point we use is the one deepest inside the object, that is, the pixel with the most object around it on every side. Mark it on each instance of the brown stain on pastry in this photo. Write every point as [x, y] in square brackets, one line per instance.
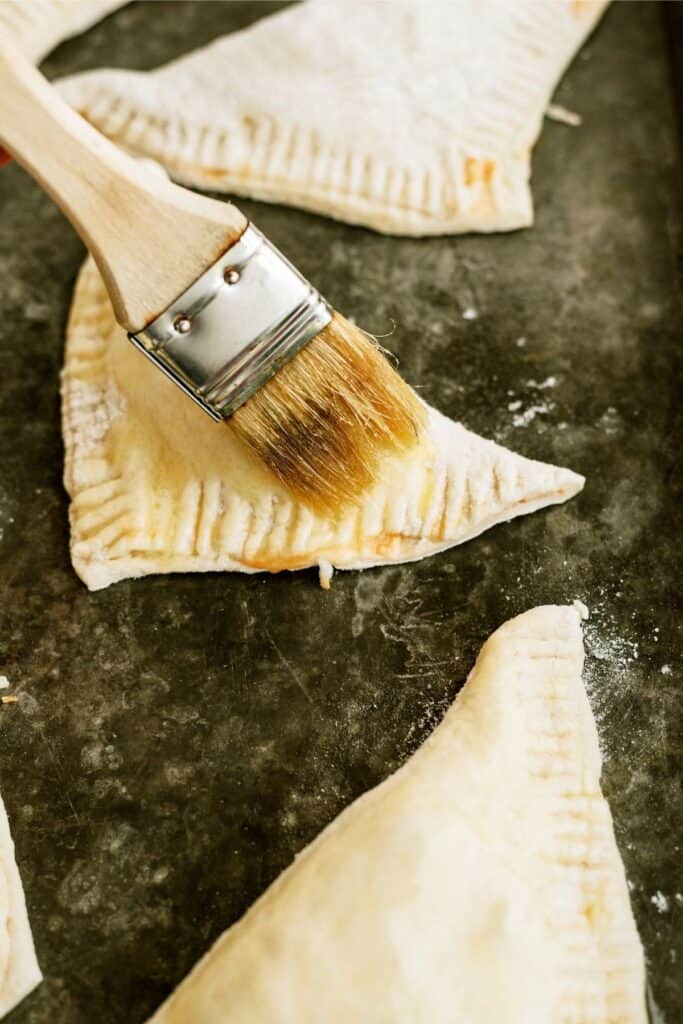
[478, 171]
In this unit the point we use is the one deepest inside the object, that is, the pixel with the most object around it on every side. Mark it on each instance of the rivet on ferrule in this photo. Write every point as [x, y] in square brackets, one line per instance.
[182, 324]
[248, 314]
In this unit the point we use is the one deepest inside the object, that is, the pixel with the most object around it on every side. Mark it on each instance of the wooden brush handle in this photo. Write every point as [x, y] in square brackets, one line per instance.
[151, 239]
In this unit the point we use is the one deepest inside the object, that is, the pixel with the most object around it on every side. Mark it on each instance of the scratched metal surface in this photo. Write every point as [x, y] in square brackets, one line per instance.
[178, 739]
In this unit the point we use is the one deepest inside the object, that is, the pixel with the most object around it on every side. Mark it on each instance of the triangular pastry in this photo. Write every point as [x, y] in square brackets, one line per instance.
[411, 118]
[37, 26]
[480, 884]
[19, 970]
[158, 487]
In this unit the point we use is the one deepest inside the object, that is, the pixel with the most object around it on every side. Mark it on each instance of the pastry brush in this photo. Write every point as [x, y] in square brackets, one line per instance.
[214, 305]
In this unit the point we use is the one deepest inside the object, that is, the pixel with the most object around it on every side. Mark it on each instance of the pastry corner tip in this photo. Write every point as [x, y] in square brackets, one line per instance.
[551, 620]
[570, 483]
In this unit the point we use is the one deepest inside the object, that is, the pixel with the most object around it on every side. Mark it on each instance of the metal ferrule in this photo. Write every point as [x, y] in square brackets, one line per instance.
[236, 326]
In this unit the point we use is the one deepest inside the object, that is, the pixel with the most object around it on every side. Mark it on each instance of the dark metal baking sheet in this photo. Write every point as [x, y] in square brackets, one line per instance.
[178, 739]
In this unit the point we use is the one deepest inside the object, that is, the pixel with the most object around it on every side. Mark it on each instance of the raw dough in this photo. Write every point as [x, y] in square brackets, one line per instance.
[19, 970]
[158, 487]
[38, 26]
[480, 884]
[411, 118]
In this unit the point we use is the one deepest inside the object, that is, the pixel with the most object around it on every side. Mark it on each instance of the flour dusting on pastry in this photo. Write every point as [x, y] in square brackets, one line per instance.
[411, 118]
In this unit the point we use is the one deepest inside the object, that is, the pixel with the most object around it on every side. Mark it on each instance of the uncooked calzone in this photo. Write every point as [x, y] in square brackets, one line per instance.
[412, 118]
[156, 486]
[38, 25]
[19, 970]
[480, 884]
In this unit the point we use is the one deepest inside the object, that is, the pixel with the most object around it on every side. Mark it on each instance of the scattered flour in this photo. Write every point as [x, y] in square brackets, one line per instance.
[610, 421]
[610, 661]
[616, 650]
[523, 419]
[434, 711]
[666, 670]
[521, 342]
[660, 901]
[470, 313]
[558, 113]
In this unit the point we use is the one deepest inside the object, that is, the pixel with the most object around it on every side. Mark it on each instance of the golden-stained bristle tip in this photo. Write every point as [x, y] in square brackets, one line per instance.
[327, 422]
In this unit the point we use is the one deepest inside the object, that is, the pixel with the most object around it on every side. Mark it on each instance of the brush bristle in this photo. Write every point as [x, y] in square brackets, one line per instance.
[327, 419]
